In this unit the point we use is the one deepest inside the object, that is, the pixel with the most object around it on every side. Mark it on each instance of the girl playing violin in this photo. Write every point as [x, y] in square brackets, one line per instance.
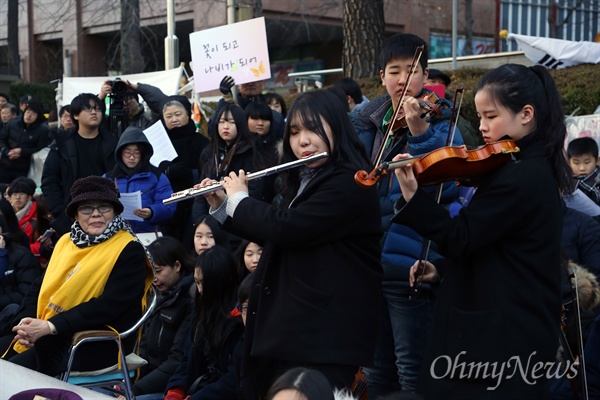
[499, 304]
[315, 298]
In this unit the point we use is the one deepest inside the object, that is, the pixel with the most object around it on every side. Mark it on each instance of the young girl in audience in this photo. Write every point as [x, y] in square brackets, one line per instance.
[165, 333]
[217, 328]
[309, 273]
[246, 257]
[276, 102]
[500, 299]
[134, 173]
[208, 233]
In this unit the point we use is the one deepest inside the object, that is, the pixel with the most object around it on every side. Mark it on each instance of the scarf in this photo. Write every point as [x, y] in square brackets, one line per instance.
[590, 185]
[23, 211]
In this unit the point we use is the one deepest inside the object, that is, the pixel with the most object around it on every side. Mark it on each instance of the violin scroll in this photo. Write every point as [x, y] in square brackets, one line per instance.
[365, 179]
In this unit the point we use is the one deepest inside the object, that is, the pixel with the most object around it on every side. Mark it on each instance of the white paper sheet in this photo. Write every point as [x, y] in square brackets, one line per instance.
[161, 144]
[131, 201]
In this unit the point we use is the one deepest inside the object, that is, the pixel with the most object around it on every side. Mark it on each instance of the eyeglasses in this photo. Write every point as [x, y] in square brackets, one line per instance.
[243, 309]
[128, 154]
[91, 109]
[102, 208]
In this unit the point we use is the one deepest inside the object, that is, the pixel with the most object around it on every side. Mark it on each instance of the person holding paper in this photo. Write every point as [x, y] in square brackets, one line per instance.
[184, 171]
[134, 173]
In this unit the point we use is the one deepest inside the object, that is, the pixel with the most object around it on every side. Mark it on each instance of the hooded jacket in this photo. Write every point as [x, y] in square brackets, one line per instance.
[153, 185]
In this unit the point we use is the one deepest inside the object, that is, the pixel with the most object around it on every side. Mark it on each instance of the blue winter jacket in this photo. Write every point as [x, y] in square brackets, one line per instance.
[402, 246]
[154, 185]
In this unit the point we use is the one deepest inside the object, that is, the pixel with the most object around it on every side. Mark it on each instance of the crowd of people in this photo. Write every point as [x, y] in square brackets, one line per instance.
[304, 284]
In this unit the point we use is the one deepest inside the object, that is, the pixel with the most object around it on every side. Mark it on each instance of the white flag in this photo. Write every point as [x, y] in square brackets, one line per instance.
[557, 53]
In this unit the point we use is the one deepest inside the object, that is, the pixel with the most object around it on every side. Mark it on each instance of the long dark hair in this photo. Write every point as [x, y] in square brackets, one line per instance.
[219, 235]
[311, 383]
[218, 299]
[309, 110]
[514, 86]
[244, 137]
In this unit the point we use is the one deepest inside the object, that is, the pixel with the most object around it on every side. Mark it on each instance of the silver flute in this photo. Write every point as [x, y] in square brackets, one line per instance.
[192, 192]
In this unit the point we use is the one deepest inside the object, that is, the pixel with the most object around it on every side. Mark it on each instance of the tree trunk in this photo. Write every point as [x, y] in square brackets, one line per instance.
[364, 30]
[468, 27]
[257, 12]
[13, 38]
[130, 45]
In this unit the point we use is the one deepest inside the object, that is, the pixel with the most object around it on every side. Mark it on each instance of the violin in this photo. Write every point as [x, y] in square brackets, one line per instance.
[450, 163]
[429, 102]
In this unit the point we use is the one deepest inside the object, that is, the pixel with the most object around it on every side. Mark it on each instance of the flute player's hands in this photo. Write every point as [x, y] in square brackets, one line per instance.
[216, 198]
[234, 183]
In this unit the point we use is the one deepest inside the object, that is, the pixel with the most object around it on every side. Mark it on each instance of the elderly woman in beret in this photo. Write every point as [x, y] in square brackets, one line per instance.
[97, 277]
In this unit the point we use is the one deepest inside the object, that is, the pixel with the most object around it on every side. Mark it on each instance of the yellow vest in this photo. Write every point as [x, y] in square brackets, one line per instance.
[76, 275]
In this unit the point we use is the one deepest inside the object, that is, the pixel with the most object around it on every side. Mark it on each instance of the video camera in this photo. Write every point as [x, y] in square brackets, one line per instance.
[119, 117]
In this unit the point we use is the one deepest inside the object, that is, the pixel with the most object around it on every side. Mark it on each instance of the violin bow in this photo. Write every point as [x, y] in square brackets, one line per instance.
[438, 194]
[580, 340]
[389, 132]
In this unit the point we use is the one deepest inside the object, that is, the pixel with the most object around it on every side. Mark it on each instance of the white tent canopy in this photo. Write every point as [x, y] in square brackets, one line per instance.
[557, 53]
[167, 81]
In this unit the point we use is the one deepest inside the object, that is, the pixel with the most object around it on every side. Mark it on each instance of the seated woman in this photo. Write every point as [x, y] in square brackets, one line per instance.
[217, 328]
[97, 277]
[169, 325]
[18, 269]
[133, 172]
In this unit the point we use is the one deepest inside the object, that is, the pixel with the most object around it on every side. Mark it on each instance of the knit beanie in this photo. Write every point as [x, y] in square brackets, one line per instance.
[93, 188]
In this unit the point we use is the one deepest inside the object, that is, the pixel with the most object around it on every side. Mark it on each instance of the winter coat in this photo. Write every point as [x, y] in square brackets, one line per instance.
[30, 139]
[20, 268]
[119, 306]
[242, 159]
[500, 296]
[61, 170]
[164, 336]
[581, 239]
[153, 185]
[223, 376]
[401, 245]
[318, 280]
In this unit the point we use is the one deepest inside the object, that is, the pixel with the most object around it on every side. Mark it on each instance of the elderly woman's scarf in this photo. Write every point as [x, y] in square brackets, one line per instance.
[82, 239]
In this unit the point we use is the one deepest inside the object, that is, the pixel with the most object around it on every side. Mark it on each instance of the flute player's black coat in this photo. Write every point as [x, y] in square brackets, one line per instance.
[317, 286]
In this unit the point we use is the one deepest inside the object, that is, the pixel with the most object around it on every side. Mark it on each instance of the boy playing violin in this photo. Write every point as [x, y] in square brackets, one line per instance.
[406, 318]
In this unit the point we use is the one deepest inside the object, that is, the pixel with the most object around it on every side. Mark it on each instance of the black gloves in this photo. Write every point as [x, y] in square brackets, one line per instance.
[226, 84]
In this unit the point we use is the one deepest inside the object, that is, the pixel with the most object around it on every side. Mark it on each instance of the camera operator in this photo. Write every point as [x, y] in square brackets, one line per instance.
[125, 104]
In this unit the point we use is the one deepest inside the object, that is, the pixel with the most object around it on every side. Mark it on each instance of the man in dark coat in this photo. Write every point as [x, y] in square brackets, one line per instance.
[20, 139]
[86, 149]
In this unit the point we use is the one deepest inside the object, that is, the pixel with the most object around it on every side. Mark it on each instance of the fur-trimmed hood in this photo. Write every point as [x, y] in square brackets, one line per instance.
[587, 288]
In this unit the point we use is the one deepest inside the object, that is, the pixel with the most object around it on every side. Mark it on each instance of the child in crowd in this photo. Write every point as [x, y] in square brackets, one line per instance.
[500, 299]
[166, 331]
[405, 318]
[217, 328]
[583, 159]
[134, 173]
[208, 233]
[276, 102]
[247, 256]
[20, 195]
[305, 384]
